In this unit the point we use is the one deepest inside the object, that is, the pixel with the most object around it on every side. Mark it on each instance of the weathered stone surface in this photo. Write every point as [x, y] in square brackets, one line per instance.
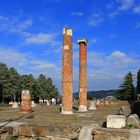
[110, 134]
[6, 133]
[86, 132]
[26, 131]
[26, 101]
[134, 134]
[116, 121]
[39, 131]
[125, 110]
[133, 120]
[48, 133]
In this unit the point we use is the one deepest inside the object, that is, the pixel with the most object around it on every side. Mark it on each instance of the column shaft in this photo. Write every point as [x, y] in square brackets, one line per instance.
[82, 76]
[67, 89]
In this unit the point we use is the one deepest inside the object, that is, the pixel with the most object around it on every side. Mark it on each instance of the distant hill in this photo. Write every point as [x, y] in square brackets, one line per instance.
[98, 94]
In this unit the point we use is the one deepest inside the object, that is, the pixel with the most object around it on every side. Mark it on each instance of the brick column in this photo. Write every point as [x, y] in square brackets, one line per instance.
[82, 75]
[26, 101]
[67, 89]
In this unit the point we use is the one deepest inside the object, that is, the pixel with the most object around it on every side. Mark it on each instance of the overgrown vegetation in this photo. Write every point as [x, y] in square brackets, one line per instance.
[12, 84]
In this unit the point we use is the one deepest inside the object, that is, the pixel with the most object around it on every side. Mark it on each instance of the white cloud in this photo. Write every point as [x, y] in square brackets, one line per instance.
[118, 54]
[116, 60]
[112, 35]
[42, 64]
[113, 14]
[40, 38]
[109, 6]
[95, 19]
[137, 25]
[137, 9]
[21, 26]
[126, 4]
[14, 24]
[76, 13]
[12, 57]
[106, 71]
[94, 40]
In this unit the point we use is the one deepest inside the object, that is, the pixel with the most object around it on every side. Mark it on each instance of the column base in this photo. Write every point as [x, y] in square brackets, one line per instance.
[82, 108]
[92, 108]
[66, 112]
[26, 110]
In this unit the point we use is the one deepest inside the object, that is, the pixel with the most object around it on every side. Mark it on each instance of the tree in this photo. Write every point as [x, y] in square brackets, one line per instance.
[127, 88]
[51, 88]
[46, 87]
[11, 88]
[138, 81]
[4, 77]
[42, 82]
[27, 82]
[12, 84]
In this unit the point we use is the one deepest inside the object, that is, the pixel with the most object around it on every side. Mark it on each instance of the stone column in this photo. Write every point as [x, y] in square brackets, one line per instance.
[82, 75]
[26, 101]
[67, 88]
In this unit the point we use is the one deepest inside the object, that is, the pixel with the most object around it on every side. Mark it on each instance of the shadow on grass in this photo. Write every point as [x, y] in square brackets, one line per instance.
[12, 120]
[75, 108]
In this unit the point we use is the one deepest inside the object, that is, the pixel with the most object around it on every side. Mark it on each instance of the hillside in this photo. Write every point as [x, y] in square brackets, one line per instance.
[98, 94]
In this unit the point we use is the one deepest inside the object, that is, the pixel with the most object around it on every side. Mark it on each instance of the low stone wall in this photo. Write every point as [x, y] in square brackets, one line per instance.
[115, 134]
[24, 132]
[110, 134]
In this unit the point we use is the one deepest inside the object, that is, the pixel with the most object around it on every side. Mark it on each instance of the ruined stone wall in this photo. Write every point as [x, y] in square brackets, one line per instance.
[25, 132]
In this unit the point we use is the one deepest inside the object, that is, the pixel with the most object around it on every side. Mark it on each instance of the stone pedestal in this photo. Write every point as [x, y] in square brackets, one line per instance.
[15, 105]
[67, 88]
[82, 75]
[33, 104]
[116, 121]
[92, 105]
[26, 101]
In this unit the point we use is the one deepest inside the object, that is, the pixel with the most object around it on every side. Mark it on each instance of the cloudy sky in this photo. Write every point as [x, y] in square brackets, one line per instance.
[31, 38]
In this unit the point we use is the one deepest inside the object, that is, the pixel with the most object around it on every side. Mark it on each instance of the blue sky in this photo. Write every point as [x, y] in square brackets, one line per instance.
[31, 38]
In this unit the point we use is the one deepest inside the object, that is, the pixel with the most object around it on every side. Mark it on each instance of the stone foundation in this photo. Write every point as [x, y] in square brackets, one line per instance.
[82, 108]
[91, 132]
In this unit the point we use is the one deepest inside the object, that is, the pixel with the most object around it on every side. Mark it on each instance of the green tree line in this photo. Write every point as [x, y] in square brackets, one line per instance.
[127, 90]
[12, 83]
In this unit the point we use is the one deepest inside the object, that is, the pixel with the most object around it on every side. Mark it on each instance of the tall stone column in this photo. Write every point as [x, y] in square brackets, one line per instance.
[26, 101]
[82, 75]
[67, 88]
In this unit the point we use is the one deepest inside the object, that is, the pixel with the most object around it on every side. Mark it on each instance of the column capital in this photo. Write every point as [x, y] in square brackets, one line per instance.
[67, 31]
[82, 40]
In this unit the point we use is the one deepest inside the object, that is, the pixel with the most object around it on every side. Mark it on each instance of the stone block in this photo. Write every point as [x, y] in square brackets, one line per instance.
[116, 121]
[92, 105]
[125, 110]
[133, 120]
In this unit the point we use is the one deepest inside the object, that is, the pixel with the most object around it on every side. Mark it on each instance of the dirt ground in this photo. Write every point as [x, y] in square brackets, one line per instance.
[44, 115]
